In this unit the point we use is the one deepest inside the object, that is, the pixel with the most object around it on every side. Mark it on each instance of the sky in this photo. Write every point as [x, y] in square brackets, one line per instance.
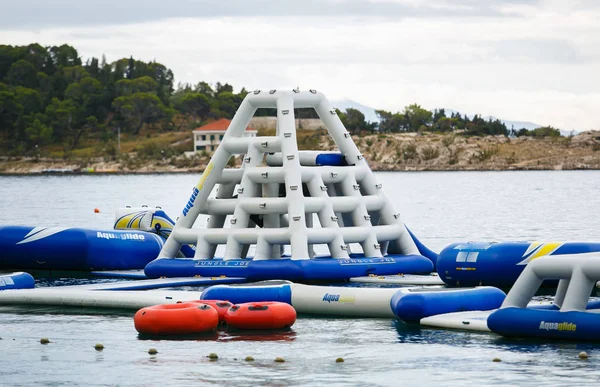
[527, 60]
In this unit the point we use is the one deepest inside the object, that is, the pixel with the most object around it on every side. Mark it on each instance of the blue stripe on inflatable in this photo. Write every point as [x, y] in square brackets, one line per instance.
[54, 248]
[288, 269]
[333, 159]
[241, 294]
[412, 307]
[16, 281]
[526, 322]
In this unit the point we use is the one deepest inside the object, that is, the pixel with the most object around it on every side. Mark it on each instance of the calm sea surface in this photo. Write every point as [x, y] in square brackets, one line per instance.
[440, 208]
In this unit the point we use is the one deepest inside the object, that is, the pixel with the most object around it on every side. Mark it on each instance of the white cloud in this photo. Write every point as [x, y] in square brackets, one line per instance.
[528, 62]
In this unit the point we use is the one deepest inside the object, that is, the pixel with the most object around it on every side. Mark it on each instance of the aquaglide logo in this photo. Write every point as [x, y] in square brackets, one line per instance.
[337, 298]
[331, 297]
[110, 235]
[190, 202]
[554, 326]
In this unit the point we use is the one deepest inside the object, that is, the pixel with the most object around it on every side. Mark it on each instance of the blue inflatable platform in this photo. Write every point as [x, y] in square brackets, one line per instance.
[526, 322]
[62, 248]
[498, 264]
[316, 269]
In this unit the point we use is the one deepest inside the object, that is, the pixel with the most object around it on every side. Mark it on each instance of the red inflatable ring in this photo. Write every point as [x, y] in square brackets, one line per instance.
[261, 315]
[220, 306]
[176, 319]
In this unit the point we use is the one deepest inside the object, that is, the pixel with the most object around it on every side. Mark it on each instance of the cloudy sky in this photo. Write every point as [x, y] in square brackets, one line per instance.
[528, 60]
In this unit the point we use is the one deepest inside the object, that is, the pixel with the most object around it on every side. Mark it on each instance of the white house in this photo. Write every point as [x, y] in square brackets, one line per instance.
[208, 137]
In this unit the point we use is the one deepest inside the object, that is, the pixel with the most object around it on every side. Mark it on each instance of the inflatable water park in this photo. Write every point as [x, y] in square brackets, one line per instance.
[297, 232]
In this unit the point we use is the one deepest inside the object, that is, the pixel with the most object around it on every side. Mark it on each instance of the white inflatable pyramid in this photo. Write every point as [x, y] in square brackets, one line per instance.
[283, 188]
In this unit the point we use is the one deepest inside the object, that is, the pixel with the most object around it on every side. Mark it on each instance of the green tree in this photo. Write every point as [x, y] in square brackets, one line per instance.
[444, 124]
[391, 122]
[143, 84]
[85, 97]
[22, 73]
[545, 131]
[417, 117]
[62, 116]
[65, 56]
[223, 88]
[138, 109]
[225, 104]
[438, 114]
[38, 133]
[30, 99]
[130, 72]
[195, 104]
[10, 110]
[353, 120]
[204, 88]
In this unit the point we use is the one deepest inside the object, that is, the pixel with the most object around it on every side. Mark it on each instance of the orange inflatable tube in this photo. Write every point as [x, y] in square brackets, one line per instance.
[220, 306]
[261, 315]
[176, 319]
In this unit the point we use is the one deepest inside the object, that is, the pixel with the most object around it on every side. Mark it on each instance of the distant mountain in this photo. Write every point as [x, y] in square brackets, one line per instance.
[344, 104]
[509, 124]
[371, 116]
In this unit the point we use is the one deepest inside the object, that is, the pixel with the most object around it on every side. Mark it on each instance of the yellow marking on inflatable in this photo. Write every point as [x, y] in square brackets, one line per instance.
[546, 249]
[531, 248]
[204, 176]
[165, 225]
[538, 250]
[124, 221]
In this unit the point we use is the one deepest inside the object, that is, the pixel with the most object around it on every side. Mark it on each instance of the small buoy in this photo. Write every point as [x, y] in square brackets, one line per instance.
[44, 340]
[261, 315]
[583, 355]
[213, 356]
[249, 358]
[496, 360]
[339, 360]
[99, 347]
[176, 319]
[152, 351]
[96, 210]
[279, 360]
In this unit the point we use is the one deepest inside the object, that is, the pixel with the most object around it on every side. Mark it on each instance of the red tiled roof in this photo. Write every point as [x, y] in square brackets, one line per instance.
[219, 125]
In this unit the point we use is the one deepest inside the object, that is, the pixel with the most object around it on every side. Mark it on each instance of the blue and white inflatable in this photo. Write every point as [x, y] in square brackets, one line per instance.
[66, 248]
[498, 263]
[13, 281]
[315, 269]
[571, 317]
[285, 198]
[137, 239]
[407, 304]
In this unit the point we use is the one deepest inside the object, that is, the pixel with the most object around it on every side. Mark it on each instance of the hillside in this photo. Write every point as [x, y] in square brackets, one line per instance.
[163, 153]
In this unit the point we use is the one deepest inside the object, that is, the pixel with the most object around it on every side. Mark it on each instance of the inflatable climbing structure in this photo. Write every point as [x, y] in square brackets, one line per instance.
[283, 198]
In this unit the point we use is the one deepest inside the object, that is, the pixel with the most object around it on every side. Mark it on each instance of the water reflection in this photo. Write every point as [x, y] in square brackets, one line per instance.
[206, 336]
[239, 335]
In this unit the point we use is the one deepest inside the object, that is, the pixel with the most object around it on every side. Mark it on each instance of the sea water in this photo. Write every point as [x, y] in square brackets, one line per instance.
[440, 208]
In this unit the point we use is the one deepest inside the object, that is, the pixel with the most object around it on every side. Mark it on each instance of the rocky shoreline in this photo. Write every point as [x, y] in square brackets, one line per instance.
[384, 152]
